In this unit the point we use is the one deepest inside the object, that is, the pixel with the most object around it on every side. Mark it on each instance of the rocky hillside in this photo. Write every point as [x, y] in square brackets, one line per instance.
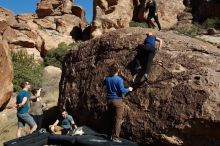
[179, 106]
[56, 21]
[114, 14]
[6, 74]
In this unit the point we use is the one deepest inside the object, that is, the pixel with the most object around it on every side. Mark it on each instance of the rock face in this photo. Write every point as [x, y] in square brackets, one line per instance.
[45, 31]
[205, 8]
[110, 15]
[54, 7]
[36, 34]
[168, 11]
[185, 18]
[6, 76]
[179, 105]
[50, 84]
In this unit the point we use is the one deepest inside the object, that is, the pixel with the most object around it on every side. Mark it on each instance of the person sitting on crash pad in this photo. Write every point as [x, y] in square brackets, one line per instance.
[66, 124]
[143, 62]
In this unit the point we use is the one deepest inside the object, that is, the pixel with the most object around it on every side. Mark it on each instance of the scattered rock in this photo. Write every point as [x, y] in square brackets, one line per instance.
[213, 39]
[211, 31]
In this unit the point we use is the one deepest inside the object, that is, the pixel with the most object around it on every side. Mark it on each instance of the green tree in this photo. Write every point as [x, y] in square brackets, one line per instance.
[26, 69]
[54, 57]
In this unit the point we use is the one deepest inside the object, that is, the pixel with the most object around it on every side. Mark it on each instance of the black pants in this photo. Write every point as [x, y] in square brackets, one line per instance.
[149, 17]
[145, 58]
[38, 119]
[149, 56]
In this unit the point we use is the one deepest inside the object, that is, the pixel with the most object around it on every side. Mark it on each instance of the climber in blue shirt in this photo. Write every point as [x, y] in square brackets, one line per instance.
[145, 57]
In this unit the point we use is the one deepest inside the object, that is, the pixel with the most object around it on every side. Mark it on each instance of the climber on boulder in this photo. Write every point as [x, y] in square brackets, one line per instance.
[144, 58]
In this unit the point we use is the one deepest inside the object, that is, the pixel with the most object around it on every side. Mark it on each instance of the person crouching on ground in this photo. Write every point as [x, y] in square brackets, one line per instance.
[66, 124]
[115, 88]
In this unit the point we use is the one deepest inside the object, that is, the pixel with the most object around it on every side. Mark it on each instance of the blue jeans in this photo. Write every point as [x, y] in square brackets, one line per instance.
[25, 118]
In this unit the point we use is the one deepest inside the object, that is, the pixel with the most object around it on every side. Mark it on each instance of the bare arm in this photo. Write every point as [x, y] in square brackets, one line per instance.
[73, 123]
[22, 103]
[56, 123]
[36, 95]
[160, 42]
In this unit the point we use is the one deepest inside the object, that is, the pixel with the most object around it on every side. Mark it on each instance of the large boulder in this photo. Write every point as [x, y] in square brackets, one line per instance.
[6, 76]
[178, 106]
[50, 84]
[111, 15]
[80, 12]
[54, 7]
[205, 8]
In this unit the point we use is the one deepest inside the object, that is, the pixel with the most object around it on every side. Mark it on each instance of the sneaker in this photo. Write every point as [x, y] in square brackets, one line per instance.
[134, 78]
[116, 140]
[145, 76]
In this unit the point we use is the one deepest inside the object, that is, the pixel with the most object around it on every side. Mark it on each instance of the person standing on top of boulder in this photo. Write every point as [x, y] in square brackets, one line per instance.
[23, 107]
[152, 7]
[115, 88]
[148, 53]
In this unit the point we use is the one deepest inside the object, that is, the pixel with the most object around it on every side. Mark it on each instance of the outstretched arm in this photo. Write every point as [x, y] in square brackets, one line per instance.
[160, 42]
[36, 95]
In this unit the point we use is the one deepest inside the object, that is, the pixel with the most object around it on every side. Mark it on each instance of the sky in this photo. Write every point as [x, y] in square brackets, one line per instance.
[29, 6]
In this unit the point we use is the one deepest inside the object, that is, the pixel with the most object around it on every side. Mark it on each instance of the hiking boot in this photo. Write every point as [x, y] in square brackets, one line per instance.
[116, 140]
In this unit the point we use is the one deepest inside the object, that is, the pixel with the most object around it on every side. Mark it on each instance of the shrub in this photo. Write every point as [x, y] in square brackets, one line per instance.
[193, 30]
[211, 22]
[188, 9]
[138, 24]
[54, 57]
[26, 69]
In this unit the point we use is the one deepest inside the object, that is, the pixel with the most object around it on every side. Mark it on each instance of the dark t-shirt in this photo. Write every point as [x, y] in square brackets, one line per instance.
[152, 7]
[19, 99]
